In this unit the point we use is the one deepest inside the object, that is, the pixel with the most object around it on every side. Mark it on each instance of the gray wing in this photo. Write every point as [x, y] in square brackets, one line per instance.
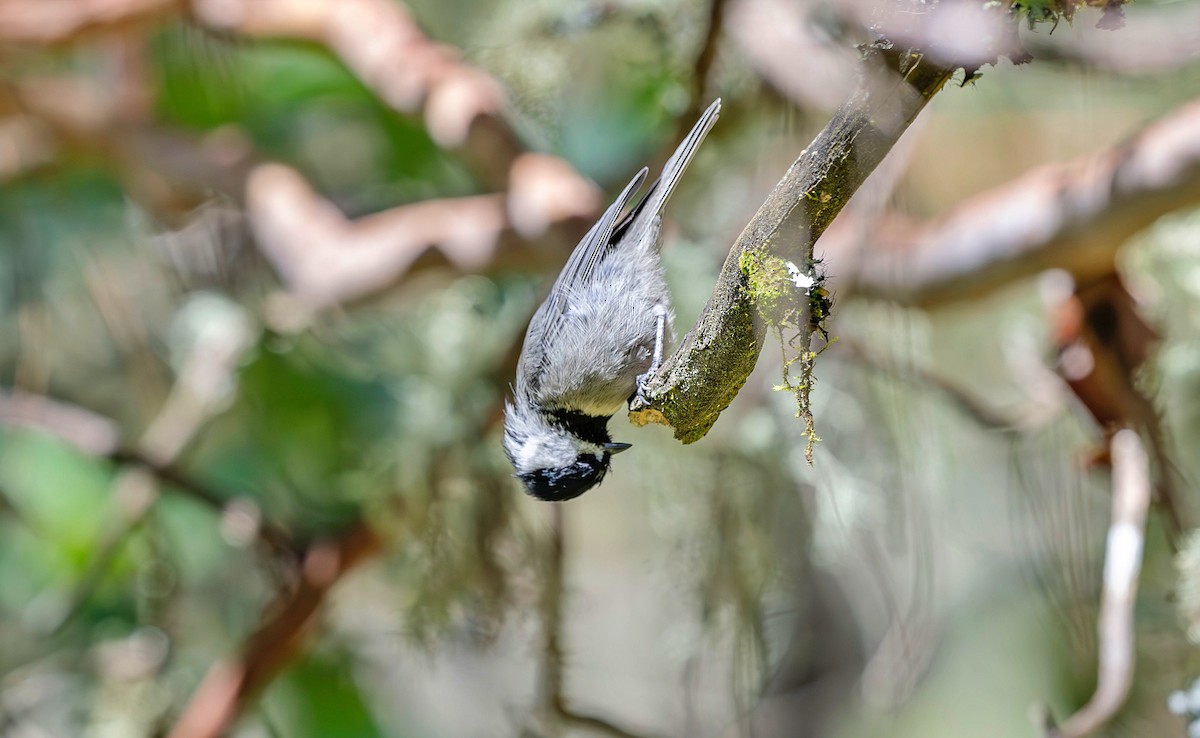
[594, 246]
[598, 244]
[663, 187]
[590, 251]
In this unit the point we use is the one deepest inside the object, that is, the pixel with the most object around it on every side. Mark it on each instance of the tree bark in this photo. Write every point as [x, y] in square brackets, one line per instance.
[712, 363]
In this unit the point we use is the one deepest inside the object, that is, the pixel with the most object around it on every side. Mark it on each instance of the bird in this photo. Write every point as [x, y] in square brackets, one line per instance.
[596, 340]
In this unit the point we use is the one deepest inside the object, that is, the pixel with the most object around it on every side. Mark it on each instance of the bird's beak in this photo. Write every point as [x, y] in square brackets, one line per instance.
[616, 448]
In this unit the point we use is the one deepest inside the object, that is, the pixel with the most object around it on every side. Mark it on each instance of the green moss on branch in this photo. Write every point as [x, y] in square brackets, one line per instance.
[698, 381]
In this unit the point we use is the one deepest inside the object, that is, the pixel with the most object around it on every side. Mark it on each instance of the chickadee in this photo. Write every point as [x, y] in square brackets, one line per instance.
[594, 342]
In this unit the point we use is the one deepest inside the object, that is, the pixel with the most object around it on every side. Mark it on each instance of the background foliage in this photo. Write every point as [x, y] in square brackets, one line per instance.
[928, 575]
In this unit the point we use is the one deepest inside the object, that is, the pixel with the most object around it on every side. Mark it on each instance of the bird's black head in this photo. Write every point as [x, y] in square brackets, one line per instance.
[566, 482]
[561, 454]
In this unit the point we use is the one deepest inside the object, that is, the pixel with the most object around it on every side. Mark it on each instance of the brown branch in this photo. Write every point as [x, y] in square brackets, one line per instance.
[135, 489]
[380, 42]
[25, 146]
[705, 373]
[1070, 216]
[56, 22]
[1102, 341]
[777, 37]
[95, 435]
[324, 259]
[168, 171]
[702, 68]
[1122, 565]
[230, 685]
[89, 432]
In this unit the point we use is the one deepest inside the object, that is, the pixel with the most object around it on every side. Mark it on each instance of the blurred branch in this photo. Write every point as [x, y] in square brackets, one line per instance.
[202, 384]
[321, 256]
[972, 406]
[705, 373]
[552, 615]
[167, 171]
[276, 539]
[25, 145]
[135, 489]
[593, 723]
[92, 434]
[702, 68]
[230, 685]
[1070, 216]
[778, 38]
[553, 689]
[1155, 38]
[324, 259]
[134, 492]
[1122, 565]
[205, 379]
[53, 22]
[1102, 341]
[379, 41]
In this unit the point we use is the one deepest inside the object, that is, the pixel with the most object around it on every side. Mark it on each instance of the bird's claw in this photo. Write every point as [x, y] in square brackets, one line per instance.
[641, 399]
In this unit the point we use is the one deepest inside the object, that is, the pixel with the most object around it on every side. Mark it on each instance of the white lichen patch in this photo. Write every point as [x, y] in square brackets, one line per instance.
[799, 278]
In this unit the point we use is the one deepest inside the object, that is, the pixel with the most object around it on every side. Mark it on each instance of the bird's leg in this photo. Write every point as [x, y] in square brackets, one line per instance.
[641, 400]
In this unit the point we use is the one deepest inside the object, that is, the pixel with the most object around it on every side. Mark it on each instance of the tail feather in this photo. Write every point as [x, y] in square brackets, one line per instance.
[662, 189]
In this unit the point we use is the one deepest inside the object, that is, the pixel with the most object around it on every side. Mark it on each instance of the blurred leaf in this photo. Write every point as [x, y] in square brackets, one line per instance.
[318, 698]
[57, 493]
[294, 431]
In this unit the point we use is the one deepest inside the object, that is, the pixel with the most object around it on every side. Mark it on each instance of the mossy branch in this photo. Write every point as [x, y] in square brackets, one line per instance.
[714, 359]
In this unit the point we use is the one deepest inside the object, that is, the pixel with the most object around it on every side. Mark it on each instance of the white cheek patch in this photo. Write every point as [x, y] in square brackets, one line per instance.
[527, 454]
[552, 452]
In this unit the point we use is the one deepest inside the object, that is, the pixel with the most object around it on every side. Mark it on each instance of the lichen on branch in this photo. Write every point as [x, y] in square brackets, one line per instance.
[701, 378]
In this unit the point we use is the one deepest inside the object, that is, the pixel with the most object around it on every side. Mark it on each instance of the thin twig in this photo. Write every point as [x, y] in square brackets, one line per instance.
[972, 406]
[702, 68]
[1122, 565]
[590, 722]
[230, 685]
[276, 539]
[552, 616]
[98, 436]
[553, 687]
